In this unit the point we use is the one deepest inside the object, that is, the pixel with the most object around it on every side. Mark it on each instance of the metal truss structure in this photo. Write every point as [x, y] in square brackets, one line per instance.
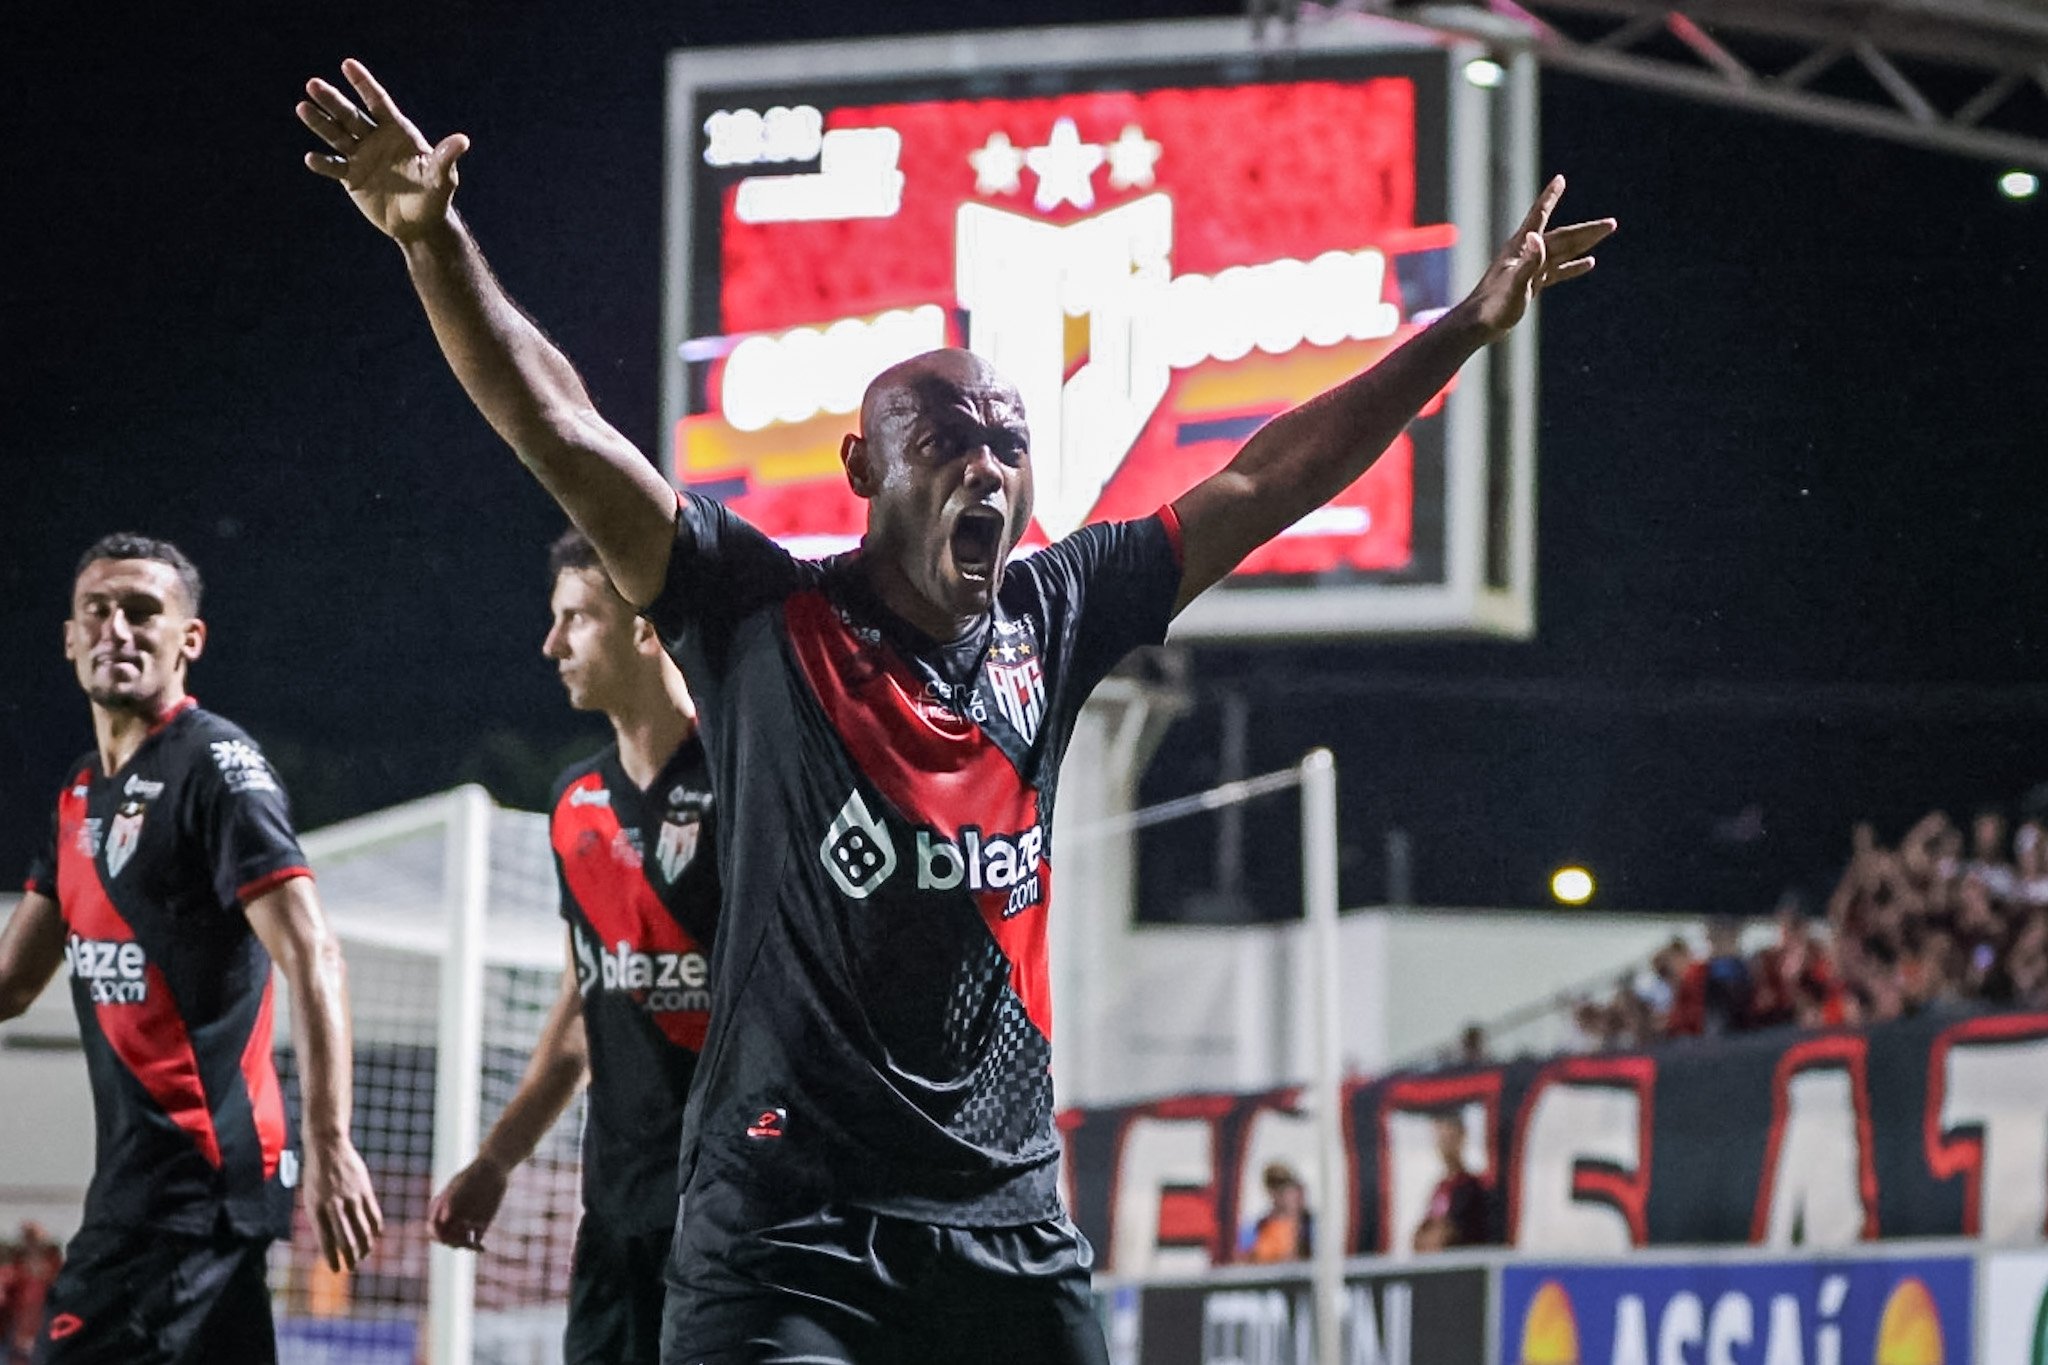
[1964, 76]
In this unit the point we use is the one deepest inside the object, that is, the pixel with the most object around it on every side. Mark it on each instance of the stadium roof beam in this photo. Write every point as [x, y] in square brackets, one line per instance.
[1963, 76]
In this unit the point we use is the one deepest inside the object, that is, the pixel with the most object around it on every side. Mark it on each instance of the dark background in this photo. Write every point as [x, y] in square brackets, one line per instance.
[1791, 467]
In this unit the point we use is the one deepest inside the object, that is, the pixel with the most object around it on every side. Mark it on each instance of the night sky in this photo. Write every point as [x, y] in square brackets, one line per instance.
[1792, 567]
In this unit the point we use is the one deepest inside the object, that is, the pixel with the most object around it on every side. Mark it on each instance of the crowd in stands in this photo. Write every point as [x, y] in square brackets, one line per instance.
[27, 1265]
[1945, 916]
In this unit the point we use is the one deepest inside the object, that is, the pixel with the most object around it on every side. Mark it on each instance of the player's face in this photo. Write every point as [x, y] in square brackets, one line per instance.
[591, 640]
[952, 460]
[131, 634]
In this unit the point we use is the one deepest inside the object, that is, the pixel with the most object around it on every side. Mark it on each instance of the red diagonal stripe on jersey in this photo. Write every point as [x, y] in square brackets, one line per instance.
[266, 1097]
[935, 768]
[615, 897]
[149, 1036]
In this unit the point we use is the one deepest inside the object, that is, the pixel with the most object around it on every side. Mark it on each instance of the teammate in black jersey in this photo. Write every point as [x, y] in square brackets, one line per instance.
[637, 861]
[869, 1147]
[170, 883]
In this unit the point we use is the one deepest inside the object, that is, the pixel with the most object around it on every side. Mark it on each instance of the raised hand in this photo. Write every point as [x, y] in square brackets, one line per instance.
[1535, 257]
[400, 181]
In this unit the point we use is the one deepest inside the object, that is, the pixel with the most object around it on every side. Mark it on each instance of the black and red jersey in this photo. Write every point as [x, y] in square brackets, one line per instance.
[151, 866]
[881, 1012]
[639, 877]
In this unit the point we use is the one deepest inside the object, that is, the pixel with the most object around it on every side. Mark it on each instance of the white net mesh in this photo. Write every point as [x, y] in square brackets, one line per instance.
[389, 883]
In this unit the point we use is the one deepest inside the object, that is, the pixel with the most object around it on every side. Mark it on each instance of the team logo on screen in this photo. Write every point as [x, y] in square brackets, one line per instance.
[124, 834]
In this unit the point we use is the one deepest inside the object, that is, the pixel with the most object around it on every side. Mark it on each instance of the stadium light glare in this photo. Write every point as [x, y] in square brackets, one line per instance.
[1571, 885]
[2019, 184]
[1485, 72]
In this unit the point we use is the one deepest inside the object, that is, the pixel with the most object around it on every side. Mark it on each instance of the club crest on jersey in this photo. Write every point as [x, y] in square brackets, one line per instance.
[682, 826]
[1017, 681]
[123, 835]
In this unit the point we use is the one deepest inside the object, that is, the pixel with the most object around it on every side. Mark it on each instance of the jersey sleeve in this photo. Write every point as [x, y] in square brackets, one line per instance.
[721, 569]
[242, 820]
[1108, 588]
[42, 863]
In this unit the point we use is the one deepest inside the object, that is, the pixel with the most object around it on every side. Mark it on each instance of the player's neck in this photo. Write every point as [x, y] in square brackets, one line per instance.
[895, 591]
[650, 731]
[119, 731]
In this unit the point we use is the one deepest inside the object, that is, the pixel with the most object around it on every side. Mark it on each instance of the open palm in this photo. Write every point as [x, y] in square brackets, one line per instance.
[399, 180]
[1536, 257]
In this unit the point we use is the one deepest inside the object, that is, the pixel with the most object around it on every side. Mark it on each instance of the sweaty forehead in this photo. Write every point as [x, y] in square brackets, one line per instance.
[940, 386]
[118, 578]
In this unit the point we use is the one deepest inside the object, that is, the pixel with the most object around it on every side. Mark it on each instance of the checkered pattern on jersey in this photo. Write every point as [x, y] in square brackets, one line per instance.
[1009, 1098]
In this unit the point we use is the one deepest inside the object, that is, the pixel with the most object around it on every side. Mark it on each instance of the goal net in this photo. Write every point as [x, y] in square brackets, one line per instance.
[446, 911]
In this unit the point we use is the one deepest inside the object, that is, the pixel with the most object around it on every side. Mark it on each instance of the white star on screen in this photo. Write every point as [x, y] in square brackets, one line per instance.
[1063, 167]
[998, 166]
[1131, 159]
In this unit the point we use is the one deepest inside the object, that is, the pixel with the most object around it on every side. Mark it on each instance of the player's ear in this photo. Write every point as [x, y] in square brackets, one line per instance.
[194, 642]
[858, 458]
[646, 639]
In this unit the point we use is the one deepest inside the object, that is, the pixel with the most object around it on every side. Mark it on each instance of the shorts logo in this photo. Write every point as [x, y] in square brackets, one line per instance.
[243, 765]
[769, 1123]
[124, 834]
[1017, 681]
[857, 852]
[64, 1325]
[111, 970]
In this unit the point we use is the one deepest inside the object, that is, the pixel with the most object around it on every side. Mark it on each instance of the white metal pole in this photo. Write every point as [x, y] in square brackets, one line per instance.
[1319, 907]
[458, 1063]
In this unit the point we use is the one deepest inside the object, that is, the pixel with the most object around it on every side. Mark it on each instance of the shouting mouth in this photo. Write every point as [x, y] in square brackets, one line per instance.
[977, 542]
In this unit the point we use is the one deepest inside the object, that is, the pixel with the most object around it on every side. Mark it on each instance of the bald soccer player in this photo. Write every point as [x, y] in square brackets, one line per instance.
[870, 1169]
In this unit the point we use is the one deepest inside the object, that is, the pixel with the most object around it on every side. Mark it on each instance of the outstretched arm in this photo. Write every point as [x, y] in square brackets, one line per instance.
[1308, 455]
[462, 1212]
[521, 382]
[339, 1199]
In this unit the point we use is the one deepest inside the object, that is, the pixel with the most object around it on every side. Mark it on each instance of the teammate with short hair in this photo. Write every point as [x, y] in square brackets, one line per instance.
[171, 882]
[636, 858]
[871, 1159]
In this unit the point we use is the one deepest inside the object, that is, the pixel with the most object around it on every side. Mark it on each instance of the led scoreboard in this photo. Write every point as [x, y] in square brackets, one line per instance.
[1162, 235]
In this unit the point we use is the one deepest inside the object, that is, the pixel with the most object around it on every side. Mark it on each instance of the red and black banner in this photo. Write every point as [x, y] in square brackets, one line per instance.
[1934, 1126]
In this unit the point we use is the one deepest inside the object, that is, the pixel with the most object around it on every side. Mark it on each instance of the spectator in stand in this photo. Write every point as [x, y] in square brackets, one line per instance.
[1457, 1215]
[1286, 1232]
[1794, 974]
[2030, 852]
[1472, 1046]
[1988, 863]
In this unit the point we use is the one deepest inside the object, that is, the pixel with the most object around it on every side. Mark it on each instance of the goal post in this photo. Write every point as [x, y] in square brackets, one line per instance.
[446, 911]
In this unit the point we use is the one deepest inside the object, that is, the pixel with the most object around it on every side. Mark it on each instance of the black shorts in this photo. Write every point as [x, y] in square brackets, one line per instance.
[615, 1296]
[839, 1284]
[141, 1297]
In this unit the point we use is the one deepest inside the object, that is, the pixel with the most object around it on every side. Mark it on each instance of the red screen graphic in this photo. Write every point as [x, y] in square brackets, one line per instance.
[1159, 272]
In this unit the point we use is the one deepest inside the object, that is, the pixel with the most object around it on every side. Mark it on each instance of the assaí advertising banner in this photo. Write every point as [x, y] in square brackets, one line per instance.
[2016, 1308]
[1930, 1127]
[1890, 1311]
[1424, 1317]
